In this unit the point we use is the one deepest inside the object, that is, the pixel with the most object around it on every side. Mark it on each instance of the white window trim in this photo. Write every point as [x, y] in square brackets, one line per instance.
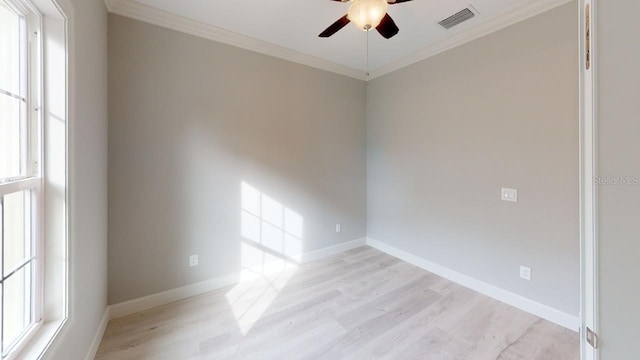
[42, 339]
[30, 93]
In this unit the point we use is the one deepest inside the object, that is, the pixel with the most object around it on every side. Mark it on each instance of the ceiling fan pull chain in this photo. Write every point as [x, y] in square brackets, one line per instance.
[367, 53]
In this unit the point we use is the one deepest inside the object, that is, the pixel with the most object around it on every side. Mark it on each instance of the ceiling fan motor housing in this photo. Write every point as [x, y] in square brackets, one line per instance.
[367, 14]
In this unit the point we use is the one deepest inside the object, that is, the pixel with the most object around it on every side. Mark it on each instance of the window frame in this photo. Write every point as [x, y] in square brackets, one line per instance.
[32, 170]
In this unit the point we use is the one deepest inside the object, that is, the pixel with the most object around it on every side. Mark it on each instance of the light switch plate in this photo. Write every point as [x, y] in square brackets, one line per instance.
[525, 272]
[508, 194]
[338, 228]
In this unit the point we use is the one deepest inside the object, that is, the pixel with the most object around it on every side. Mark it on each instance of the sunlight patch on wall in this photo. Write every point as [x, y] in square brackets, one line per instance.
[270, 251]
[272, 232]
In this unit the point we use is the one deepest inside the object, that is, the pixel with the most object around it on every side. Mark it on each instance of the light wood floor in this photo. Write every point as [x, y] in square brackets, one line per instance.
[361, 304]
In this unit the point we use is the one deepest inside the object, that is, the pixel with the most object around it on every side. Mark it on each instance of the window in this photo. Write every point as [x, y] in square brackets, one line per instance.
[20, 176]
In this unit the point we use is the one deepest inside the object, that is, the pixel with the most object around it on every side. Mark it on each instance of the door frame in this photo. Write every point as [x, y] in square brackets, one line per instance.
[588, 167]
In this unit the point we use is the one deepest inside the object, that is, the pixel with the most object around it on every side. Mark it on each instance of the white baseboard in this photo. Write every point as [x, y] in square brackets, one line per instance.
[173, 295]
[333, 250]
[546, 312]
[95, 344]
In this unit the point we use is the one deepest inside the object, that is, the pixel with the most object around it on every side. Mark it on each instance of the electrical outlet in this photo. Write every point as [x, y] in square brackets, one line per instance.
[508, 194]
[338, 228]
[525, 272]
[193, 260]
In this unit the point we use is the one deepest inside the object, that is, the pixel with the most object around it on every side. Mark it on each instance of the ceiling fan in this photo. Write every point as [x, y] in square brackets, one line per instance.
[366, 15]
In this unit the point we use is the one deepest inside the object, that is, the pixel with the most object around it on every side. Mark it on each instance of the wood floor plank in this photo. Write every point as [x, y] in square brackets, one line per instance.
[422, 328]
[360, 304]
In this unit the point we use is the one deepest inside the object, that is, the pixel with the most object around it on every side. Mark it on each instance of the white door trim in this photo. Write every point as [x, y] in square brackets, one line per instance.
[588, 166]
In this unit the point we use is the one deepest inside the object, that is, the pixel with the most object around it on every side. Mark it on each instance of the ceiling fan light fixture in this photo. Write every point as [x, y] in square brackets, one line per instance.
[367, 14]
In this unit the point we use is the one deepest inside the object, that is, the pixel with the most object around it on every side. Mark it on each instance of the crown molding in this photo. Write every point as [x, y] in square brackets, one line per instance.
[148, 14]
[110, 3]
[151, 15]
[506, 19]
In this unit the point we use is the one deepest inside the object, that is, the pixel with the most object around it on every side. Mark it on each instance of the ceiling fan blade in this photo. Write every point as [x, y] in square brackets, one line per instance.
[387, 27]
[391, 2]
[335, 27]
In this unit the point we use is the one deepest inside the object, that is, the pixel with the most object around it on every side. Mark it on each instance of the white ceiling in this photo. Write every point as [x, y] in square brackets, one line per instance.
[295, 25]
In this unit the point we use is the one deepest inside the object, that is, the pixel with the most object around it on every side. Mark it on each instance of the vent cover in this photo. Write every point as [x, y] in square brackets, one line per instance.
[457, 18]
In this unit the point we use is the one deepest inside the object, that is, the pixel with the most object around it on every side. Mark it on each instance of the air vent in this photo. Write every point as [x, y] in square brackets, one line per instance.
[457, 18]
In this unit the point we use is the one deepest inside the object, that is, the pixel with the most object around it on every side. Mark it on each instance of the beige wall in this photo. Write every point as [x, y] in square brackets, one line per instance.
[617, 59]
[190, 121]
[444, 135]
